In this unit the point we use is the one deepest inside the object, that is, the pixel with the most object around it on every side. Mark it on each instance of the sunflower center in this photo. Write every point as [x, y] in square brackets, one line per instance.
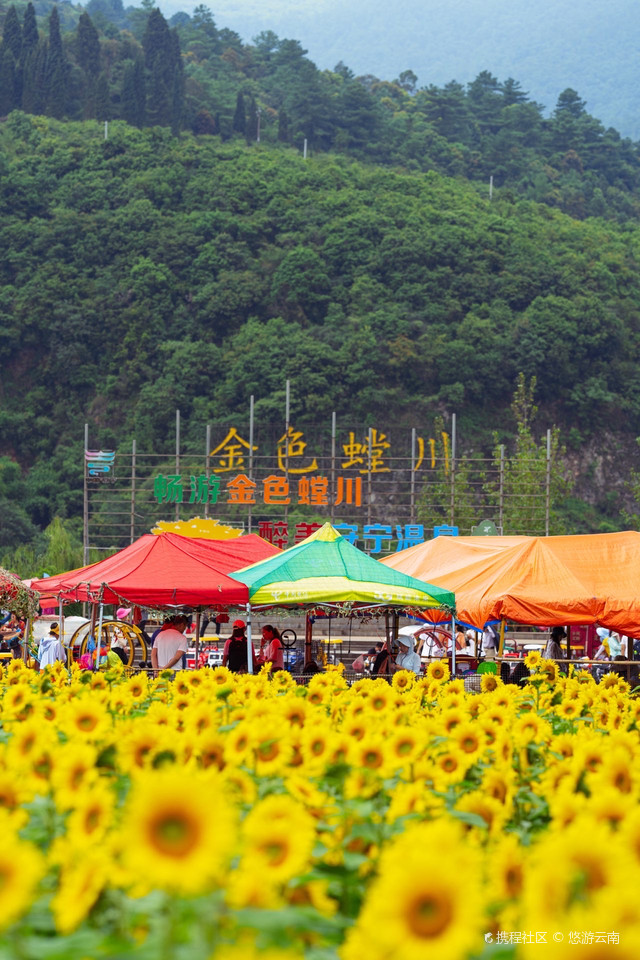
[276, 852]
[372, 759]
[268, 751]
[429, 914]
[173, 834]
[622, 781]
[513, 881]
[87, 721]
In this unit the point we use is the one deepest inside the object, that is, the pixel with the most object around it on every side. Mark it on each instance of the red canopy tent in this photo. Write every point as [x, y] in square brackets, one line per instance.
[164, 570]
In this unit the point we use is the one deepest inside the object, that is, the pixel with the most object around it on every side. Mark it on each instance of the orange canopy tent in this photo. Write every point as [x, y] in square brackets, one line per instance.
[164, 570]
[574, 580]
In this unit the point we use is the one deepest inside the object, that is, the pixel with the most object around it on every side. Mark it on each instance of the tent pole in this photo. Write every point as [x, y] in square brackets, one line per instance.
[501, 647]
[307, 639]
[25, 640]
[453, 646]
[249, 646]
[198, 614]
[99, 637]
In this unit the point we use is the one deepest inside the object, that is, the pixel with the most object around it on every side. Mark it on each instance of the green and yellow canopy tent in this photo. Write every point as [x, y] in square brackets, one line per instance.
[328, 573]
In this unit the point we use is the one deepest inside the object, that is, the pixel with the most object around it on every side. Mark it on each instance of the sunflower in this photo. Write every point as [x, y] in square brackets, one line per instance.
[404, 745]
[238, 786]
[403, 680]
[178, 834]
[569, 709]
[80, 884]
[238, 744]
[489, 682]
[272, 752]
[413, 908]
[467, 738]
[278, 837]
[507, 868]
[532, 659]
[371, 753]
[617, 770]
[74, 772]
[21, 868]
[530, 728]
[86, 717]
[92, 815]
[439, 671]
[209, 750]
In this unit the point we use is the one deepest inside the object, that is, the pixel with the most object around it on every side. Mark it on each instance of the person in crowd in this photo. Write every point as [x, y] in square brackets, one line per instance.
[519, 674]
[461, 640]
[50, 649]
[12, 632]
[383, 660]
[234, 655]
[490, 639]
[118, 645]
[553, 649]
[170, 645]
[407, 658]
[271, 649]
[615, 645]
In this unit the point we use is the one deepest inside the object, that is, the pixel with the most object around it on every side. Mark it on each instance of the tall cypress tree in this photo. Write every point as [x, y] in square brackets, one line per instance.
[283, 126]
[133, 97]
[34, 78]
[56, 70]
[252, 120]
[30, 35]
[240, 116]
[8, 99]
[177, 91]
[12, 34]
[101, 99]
[87, 46]
[158, 58]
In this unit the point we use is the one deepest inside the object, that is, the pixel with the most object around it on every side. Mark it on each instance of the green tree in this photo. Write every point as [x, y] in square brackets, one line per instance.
[8, 84]
[12, 34]
[240, 115]
[133, 99]
[87, 46]
[56, 70]
[162, 60]
[30, 35]
[530, 486]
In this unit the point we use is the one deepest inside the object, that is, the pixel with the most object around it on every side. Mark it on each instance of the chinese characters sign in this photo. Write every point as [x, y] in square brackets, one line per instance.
[274, 489]
[376, 537]
[362, 454]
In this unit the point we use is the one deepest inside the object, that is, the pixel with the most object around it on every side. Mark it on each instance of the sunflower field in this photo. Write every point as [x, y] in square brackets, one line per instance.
[232, 817]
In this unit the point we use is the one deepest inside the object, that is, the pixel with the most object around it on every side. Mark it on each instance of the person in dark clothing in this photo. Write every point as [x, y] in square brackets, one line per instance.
[520, 674]
[235, 650]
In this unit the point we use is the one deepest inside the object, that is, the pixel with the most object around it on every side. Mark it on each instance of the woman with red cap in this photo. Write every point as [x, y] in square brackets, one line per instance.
[235, 650]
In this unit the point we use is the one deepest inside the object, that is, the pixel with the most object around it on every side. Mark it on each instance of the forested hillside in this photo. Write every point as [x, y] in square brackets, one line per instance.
[108, 63]
[148, 272]
[189, 256]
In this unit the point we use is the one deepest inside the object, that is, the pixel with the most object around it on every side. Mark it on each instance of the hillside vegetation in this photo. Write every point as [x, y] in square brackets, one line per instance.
[148, 272]
[175, 260]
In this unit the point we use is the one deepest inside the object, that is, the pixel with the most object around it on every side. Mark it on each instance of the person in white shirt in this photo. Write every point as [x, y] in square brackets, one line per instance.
[50, 649]
[171, 645]
[407, 658]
